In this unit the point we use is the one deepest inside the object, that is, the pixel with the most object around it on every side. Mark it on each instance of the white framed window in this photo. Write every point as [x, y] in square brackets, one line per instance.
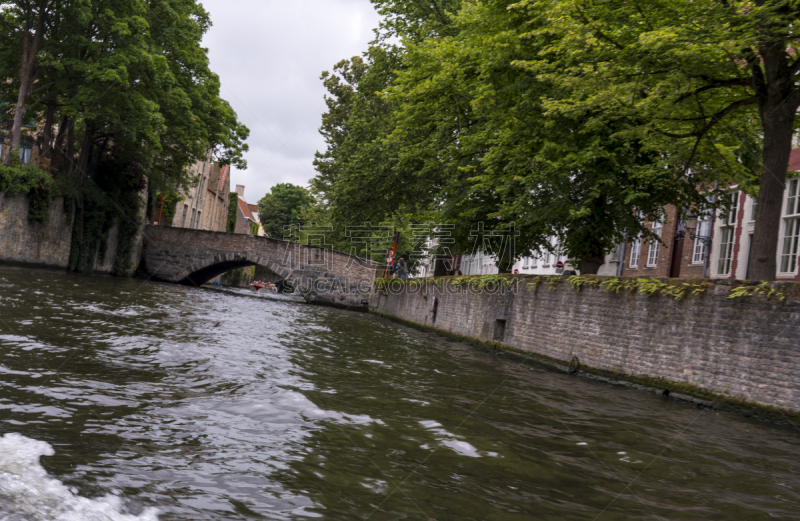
[534, 261]
[700, 249]
[791, 228]
[652, 252]
[791, 236]
[727, 233]
[636, 248]
[725, 251]
[728, 217]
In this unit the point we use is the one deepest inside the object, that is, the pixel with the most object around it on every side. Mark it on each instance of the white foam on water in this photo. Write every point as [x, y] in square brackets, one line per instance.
[450, 440]
[29, 493]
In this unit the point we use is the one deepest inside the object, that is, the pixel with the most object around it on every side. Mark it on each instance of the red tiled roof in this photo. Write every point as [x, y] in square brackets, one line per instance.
[223, 176]
[245, 210]
[253, 208]
[794, 160]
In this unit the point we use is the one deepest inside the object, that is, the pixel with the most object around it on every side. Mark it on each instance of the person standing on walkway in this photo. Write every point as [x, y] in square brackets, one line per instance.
[401, 269]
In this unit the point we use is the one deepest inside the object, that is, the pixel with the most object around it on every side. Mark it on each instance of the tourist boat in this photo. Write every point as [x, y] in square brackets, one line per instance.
[260, 285]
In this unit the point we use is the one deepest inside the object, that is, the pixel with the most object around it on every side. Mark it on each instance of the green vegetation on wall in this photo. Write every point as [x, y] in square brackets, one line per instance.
[168, 205]
[234, 205]
[31, 180]
[239, 277]
[113, 199]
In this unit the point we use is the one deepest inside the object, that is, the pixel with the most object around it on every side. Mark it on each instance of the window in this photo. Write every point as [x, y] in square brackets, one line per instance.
[728, 226]
[725, 251]
[755, 207]
[25, 152]
[534, 261]
[729, 216]
[700, 249]
[652, 253]
[793, 198]
[791, 228]
[636, 247]
[183, 219]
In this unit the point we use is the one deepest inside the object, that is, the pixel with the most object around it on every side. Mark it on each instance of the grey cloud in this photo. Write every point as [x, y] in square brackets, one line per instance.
[269, 55]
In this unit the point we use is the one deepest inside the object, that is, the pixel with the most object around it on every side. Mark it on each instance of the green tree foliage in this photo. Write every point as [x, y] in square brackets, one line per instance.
[709, 88]
[497, 112]
[125, 81]
[125, 78]
[281, 207]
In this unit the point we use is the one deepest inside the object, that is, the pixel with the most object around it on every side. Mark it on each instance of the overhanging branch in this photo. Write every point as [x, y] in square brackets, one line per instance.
[714, 119]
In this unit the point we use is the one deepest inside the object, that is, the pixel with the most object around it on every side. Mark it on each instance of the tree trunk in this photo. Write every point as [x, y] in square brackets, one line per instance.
[70, 158]
[27, 73]
[777, 105]
[80, 169]
[58, 146]
[47, 135]
[766, 234]
[590, 266]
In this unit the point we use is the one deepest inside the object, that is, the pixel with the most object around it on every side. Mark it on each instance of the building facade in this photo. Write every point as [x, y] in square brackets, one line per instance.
[204, 206]
[247, 216]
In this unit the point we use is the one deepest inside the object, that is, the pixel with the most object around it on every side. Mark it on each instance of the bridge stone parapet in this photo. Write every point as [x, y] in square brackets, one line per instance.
[320, 275]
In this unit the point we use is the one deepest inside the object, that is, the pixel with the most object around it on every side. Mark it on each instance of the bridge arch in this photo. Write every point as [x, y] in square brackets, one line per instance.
[194, 257]
[212, 266]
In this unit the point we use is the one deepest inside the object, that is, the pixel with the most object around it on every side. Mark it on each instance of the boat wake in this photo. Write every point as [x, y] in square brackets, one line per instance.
[27, 493]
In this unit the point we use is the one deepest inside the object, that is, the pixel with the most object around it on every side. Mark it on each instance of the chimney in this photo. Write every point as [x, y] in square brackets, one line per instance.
[240, 191]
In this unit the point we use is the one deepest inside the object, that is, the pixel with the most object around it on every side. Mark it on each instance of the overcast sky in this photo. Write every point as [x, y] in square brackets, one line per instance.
[269, 55]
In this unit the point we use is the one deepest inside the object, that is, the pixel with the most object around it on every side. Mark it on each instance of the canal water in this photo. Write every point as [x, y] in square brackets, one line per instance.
[131, 400]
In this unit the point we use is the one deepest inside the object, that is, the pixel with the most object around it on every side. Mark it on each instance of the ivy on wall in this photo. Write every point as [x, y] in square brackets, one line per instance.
[234, 204]
[677, 289]
[31, 180]
[169, 206]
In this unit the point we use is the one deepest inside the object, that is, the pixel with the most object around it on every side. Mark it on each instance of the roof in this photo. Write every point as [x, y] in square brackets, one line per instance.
[223, 176]
[245, 208]
[794, 160]
[253, 208]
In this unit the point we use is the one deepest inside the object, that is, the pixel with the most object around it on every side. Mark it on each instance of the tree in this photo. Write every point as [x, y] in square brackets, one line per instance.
[124, 77]
[121, 90]
[282, 207]
[702, 82]
[481, 126]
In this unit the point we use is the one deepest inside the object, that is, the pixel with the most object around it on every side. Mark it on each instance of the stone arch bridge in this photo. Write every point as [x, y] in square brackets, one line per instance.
[320, 275]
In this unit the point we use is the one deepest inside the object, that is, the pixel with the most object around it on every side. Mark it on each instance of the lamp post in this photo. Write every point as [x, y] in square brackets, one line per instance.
[705, 240]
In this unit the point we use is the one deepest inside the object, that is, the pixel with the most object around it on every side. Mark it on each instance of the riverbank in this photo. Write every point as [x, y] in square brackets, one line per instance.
[735, 354]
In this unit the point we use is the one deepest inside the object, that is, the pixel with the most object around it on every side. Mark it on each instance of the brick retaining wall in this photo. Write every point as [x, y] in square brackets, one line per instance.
[747, 349]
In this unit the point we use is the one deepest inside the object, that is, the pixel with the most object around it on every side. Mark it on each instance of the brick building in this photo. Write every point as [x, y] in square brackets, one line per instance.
[677, 255]
[205, 205]
[247, 216]
[722, 244]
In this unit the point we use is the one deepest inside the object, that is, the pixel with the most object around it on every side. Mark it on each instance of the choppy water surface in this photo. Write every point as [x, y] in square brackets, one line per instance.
[148, 401]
